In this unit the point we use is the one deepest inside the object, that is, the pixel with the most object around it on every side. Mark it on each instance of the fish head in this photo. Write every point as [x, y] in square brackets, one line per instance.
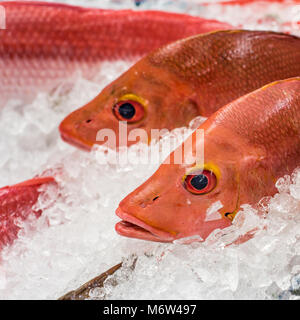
[178, 200]
[144, 97]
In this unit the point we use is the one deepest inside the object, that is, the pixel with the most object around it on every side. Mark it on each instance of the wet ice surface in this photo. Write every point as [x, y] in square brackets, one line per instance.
[74, 240]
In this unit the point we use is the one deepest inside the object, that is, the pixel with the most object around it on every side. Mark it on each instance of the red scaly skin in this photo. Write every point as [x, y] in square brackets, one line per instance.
[16, 204]
[248, 145]
[43, 43]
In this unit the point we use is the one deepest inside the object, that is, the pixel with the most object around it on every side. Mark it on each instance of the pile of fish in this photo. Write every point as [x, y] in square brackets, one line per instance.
[43, 44]
[245, 82]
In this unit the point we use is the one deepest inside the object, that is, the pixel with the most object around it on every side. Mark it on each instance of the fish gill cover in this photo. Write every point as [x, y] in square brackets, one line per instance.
[74, 240]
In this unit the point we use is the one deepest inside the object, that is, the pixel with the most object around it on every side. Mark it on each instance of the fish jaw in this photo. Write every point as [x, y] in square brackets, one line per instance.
[83, 145]
[132, 227]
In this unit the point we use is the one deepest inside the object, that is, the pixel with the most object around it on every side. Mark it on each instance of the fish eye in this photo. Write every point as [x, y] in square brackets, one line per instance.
[201, 182]
[129, 110]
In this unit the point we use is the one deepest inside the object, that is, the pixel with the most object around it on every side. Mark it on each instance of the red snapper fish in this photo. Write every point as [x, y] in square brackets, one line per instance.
[249, 144]
[190, 77]
[44, 44]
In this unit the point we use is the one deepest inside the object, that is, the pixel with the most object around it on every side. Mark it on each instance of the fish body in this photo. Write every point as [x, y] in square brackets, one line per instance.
[248, 145]
[190, 77]
[44, 44]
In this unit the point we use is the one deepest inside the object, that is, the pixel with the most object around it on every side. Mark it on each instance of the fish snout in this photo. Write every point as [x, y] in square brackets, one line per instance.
[140, 217]
[70, 132]
[81, 127]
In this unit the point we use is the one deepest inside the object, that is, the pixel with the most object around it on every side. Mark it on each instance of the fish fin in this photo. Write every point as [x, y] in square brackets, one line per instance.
[34, 182]
[16, 204]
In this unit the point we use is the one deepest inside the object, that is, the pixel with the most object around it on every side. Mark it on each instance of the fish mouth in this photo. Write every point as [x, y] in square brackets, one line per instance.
[74, 141]
[132, 227]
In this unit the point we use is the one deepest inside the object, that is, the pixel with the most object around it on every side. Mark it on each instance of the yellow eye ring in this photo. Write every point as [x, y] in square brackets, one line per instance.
[131, 96]
[208, 167]
[130, 108]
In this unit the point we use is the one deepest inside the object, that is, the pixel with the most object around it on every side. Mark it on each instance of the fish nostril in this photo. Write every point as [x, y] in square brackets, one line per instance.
[144, 204]
[88, 121]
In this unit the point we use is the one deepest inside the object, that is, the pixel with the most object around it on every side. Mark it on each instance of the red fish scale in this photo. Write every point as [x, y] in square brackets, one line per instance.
[220, 68]
[16, 204]
[75, 33]
[45, 43]
[274, 129]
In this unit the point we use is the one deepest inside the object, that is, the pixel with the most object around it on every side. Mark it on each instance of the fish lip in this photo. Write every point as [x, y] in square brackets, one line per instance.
[134, 228]
[73, 141]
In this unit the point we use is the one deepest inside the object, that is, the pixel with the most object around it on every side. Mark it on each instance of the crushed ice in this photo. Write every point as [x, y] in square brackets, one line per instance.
[212, 212]
[74, 240]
